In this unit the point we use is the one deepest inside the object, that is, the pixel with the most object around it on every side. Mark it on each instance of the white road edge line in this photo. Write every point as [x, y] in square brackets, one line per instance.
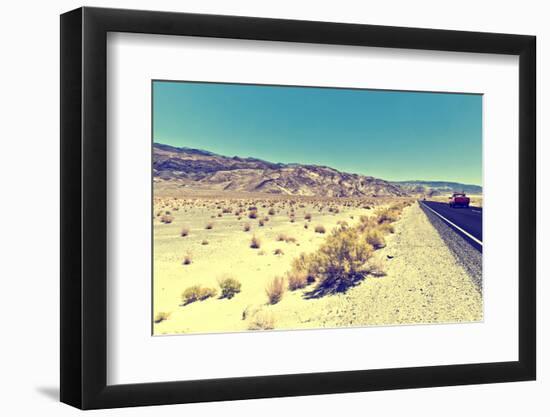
[454, 225]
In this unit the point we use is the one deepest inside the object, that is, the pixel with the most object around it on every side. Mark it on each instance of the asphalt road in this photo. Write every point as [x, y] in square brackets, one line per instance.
[467, 222]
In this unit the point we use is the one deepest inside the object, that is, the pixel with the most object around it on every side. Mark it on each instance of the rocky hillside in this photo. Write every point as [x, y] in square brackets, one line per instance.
[206, 170]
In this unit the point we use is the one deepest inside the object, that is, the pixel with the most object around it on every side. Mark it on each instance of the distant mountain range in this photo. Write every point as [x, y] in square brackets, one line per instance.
[437, 187]
[202, 169]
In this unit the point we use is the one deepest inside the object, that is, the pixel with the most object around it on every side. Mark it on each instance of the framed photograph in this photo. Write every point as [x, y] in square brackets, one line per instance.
[259, 207]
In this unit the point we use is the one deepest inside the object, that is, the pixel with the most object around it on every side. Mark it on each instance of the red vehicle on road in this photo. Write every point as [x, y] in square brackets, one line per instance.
[459, 200]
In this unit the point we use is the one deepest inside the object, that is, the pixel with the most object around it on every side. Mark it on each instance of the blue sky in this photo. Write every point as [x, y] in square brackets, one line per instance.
[394, 135]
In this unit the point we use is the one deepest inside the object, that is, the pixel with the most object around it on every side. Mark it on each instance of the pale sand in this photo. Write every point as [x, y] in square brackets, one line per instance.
[228, 252]
[424, 284]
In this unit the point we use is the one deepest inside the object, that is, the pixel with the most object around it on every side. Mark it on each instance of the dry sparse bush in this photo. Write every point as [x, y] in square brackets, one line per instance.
[340, 261]
[387, 215]
[197, 293]
[320, 229]
[209, 226]
[229, 287]
[246, 227]
[386, 228]
[271, 211]
[187, 259]
[184, 231]
[191, 294]
[252, 214]
[375, 238]
[278, 251]
[275, 290]
[306, 226]
[255, 242]
[261, 222]
[167, 218]
[308, 217]
[207, 293]
[262, 320]
[297, 280]
[204, 242]
[161, 316]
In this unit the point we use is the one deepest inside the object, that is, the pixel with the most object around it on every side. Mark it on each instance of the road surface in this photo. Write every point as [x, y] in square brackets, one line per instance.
[467, 222]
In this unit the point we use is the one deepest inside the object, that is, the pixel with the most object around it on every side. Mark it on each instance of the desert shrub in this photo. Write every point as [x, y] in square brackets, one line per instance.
[275, 290]
[297, 280]
[252, 214]
[226, 210]
[308, 216]
[246, 227]
[278, 251]
[207, 293]
[367, 222]
[255, 242]
[229, 287]
[184, 231]
[262, 320]
[387, 215]
[375, 238]
[306, 226]
[261, 222]
[271, 211]
[187, 259]
[209, 226]
[340, 261]
[167, 218]
[281, 237]
[191, 294]
[197, 293]
[320, 229]
[204, 242]
[386, 228]
[161, 316]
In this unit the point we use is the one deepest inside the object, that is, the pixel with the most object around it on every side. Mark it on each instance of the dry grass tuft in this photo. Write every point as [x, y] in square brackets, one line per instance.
[275, 290]
[278, 251]
[297, 280]
[375, 238]
[246, 227]
[209, 226]
[187, 259]
[161, 316]
[184, 231]
[262, 320]
[320, 229]
[167, 218]
[255, 242]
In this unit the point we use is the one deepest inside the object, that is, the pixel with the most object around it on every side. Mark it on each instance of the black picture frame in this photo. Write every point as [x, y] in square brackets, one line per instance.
[84, 207]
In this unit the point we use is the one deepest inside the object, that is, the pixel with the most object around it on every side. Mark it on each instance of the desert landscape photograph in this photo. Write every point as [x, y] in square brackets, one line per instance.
[287, 207]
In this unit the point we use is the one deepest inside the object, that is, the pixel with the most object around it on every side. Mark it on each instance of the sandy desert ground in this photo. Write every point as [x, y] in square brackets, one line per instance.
[416, 279]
